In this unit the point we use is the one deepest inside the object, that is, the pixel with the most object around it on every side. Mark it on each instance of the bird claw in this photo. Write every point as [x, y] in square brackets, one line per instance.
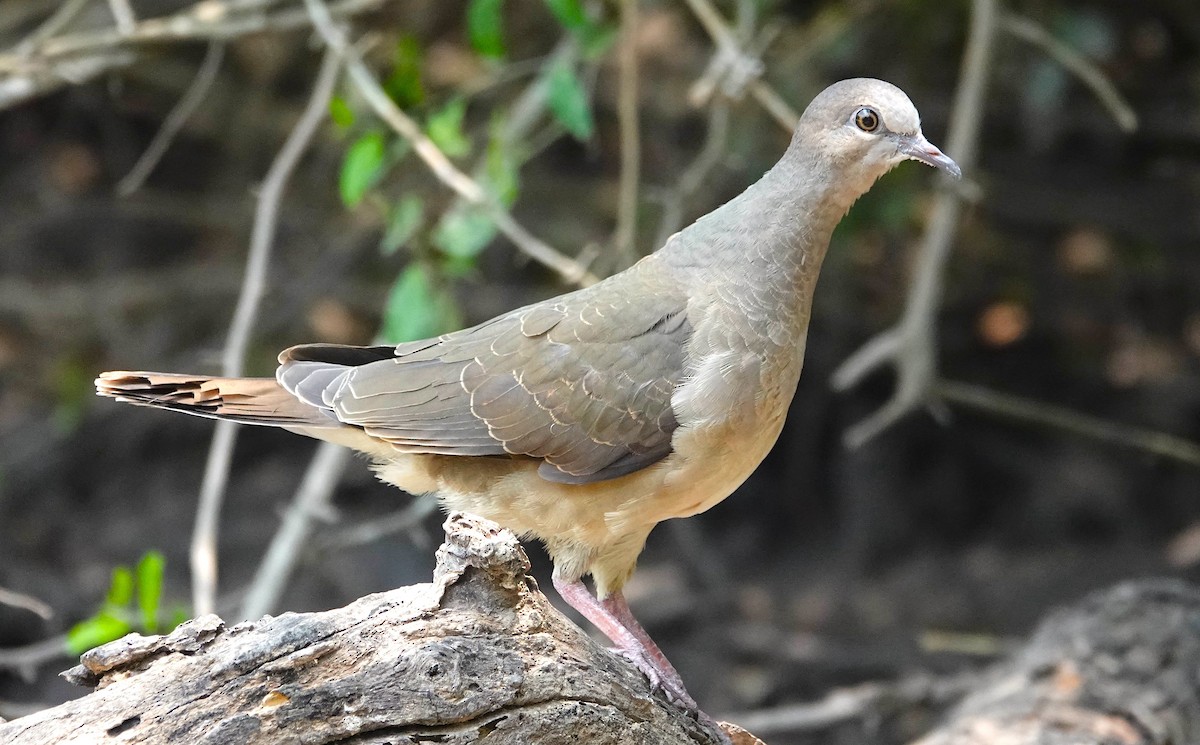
[674, 690]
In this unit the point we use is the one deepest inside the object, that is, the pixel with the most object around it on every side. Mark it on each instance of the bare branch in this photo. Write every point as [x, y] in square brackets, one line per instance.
[696, 173]
[123, 16]
[62, 17]
[859, 702]
[911, 344]
[203, 551]
[571, 271]
[1059, 417]
[46, 61]
[624, 239]
[26, 660]
[373, 530]
[175, 120]
[26, 602]
[1028, 30]
[320, 480]
[736, 69]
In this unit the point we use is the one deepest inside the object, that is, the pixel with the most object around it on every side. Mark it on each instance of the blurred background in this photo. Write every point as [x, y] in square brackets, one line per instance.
[1072, 283]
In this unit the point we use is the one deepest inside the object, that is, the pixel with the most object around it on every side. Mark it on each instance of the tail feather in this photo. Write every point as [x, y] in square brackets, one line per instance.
[248, 400]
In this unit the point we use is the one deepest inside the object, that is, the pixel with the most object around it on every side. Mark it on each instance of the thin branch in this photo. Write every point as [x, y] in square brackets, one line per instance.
[26, 602]
[62, 17]
[123, 16]
[911, 344]
[624, 239]
[26, 660]
[570, 270]
[697, 172]
[293, 535]
[869, 700]
[737, 69]
[371, 531]
[1059, 417]
[204, 536]
[183, 110]
[1101, 86]
[45, 62]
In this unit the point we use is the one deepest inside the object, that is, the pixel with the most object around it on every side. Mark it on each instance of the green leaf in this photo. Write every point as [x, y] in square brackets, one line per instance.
[445, 128]
[568, 101]
[463, 232]
[417, 308]
[502, 169]
[362, 168]
[120, 588]
[569, 13]
[149, 589]
[404, 85]
[596, 37]
[485, 26]
[178, 616]
[403, 223]
[71, 389]
[341, 113]
[101, 628]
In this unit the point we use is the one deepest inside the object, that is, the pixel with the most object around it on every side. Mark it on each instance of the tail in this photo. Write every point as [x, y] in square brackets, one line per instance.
[248, 400]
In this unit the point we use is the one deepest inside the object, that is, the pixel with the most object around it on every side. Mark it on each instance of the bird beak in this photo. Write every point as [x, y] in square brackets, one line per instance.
[916, 147]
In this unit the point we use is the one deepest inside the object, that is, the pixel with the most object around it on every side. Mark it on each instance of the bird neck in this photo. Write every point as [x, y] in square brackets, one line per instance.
[774, 235]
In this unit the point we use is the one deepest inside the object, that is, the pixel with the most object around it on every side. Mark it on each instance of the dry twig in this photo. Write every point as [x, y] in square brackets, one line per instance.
[624, 238]
[15, 599]
[1048, 415]
[203, 550]
[175, 120]
[911, 344]
[48, 60]
[736, 69]
[320, 480]
[466, 187]
[1026, 29]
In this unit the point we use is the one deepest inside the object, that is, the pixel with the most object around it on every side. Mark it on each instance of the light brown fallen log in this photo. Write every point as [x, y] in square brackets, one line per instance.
[1122, 667]
[477, 656]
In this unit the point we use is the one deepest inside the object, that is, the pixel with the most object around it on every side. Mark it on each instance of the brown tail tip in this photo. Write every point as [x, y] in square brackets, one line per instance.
[249, 400]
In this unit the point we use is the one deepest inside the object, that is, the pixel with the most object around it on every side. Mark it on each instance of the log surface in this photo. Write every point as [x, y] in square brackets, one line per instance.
[478, 655]
[1121, 667]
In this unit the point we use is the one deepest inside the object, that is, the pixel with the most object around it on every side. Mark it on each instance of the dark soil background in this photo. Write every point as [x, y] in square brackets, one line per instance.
[1075, 281]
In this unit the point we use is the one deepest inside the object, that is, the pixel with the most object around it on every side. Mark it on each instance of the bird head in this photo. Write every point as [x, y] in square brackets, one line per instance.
[867, 127]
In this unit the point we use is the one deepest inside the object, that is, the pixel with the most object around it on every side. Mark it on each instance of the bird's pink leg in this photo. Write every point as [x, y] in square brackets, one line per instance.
[616, 605]
[614, 619]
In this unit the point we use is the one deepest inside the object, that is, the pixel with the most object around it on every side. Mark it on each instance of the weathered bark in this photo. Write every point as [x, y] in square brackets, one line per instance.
[1122, 667]
[478, 655]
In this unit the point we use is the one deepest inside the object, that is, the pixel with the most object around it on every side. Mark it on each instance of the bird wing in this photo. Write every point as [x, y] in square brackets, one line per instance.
[583, 382]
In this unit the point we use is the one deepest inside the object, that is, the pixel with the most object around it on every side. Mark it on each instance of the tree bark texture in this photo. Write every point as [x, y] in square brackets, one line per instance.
[1122, 667]
[477, 656]
[480, 656]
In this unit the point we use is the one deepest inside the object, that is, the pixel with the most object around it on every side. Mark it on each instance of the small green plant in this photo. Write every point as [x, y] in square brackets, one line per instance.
[133, 603]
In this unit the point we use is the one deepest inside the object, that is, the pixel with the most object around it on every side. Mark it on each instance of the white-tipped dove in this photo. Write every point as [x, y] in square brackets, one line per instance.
[586, 419]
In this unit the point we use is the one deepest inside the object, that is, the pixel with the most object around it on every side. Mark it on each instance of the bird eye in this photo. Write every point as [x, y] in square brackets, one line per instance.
[866, 119]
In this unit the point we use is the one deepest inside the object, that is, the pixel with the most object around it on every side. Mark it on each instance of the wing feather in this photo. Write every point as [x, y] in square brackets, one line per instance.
[582, 382]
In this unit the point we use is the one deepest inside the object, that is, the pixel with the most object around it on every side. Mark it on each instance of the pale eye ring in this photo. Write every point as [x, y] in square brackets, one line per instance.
[866, 119]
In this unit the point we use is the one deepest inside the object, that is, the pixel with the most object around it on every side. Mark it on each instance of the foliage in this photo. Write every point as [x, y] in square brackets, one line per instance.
[569, 101]
[442, 241]
[133, 603]
[485, 25]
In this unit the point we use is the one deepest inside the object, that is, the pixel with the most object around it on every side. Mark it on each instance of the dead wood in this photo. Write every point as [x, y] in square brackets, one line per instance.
[478, 655]
[1122, 667]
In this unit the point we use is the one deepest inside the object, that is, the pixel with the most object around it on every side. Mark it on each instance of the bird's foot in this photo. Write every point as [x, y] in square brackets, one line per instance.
[659, 679]
[672, 686]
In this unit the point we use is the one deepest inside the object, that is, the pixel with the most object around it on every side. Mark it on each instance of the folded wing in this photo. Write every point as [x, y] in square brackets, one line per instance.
[583, 382]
